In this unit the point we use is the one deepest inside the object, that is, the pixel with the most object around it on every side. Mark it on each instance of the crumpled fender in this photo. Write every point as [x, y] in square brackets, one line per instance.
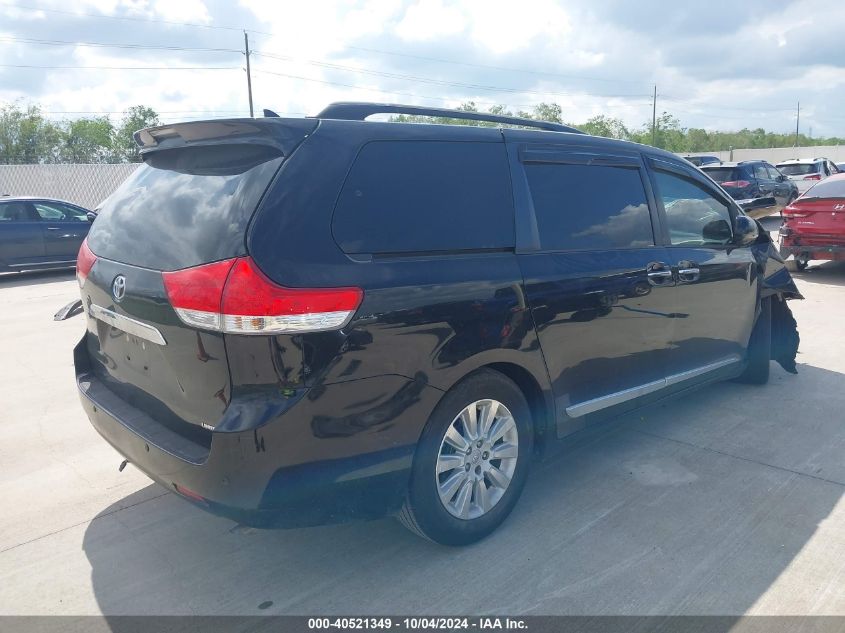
[775, 277]
[777, 284]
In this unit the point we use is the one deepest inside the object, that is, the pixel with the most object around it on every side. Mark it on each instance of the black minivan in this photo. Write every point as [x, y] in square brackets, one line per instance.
[301, 321]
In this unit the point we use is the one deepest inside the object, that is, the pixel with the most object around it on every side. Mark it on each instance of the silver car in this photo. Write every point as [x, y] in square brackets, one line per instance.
[805, 172]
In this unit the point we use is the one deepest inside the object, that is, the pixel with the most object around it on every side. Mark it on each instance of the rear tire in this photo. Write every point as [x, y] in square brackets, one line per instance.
[459, 491]
[802, 260]
[759, 348]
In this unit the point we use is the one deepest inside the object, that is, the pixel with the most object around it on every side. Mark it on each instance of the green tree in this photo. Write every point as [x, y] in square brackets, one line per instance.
[88, 141]
[136, 118]
[26, 136]
[610, 127]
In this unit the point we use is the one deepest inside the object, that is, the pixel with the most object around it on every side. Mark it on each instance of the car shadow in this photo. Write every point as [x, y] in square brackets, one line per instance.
[34, 278]
[692, 506]
[827, 273]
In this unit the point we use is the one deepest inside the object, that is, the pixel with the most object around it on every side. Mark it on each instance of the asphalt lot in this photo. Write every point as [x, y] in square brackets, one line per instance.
[729, 501]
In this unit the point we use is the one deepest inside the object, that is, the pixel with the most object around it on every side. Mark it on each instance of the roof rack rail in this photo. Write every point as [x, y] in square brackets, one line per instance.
[358, 111]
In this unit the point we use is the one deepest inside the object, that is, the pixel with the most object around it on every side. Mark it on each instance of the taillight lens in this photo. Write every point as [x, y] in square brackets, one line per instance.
[794, 212]
[813, 177]
[235, 296]
[736, 183]
[85, 260]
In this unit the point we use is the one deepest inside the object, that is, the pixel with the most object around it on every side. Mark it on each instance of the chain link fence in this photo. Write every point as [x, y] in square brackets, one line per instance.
[85, 185]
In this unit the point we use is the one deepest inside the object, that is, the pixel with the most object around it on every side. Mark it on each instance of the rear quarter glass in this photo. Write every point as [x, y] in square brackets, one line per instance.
[423, 196]
[185, 206]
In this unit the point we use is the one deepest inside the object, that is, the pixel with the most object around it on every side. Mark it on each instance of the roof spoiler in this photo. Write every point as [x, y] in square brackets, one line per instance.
[281, 134]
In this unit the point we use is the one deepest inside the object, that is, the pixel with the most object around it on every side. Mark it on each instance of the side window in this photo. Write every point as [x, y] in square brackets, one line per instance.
[424, 196]
[833, 168]
[694, 216]
[774, 174]
[760, 172]
[17, 212]
[589, 207]
[58, 212]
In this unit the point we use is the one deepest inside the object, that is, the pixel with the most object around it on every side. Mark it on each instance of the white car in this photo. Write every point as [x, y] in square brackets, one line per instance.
[805, 172]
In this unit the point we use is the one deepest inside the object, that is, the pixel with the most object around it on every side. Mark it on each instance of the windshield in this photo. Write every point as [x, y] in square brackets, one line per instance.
[799, 169]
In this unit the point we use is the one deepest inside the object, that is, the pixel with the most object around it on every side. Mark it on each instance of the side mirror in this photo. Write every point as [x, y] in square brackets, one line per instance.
[745, 230]
[91, 216]
[781, 178]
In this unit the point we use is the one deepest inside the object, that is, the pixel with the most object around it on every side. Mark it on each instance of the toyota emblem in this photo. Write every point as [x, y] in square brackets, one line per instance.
[118, 288]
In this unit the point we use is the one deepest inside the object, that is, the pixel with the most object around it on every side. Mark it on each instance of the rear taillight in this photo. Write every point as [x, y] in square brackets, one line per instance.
[813, 177]
[740, 184]
[85, 260]
[794, 212]
[235, 296]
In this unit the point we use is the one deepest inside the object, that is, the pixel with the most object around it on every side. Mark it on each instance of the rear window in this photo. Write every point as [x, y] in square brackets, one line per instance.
[799, 169]
[829, 188]
[184, 207]
[424, 196]
[589, 207]
[725, 174]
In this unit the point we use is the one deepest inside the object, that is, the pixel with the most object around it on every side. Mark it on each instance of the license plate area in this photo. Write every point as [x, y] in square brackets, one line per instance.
[128, 326]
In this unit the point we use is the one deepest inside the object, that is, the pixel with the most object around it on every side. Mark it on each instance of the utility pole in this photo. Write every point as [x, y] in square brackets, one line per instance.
[248, 74]
[654, 118]
[797, 121]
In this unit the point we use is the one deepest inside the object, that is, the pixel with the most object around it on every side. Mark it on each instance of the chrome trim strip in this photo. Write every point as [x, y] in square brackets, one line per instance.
[603, 402]
[63, 262]
[674, 379]
[126, 324]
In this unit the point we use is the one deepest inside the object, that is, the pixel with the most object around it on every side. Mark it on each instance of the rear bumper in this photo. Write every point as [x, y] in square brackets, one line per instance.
[288, 473]
[816, 249]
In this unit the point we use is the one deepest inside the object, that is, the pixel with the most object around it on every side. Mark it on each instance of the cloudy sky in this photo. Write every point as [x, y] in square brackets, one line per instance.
[717, 64]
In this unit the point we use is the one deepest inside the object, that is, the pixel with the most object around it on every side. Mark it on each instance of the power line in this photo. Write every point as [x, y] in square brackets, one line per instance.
[439, 82]
[474, 65]
[412, 94]
[27, 40]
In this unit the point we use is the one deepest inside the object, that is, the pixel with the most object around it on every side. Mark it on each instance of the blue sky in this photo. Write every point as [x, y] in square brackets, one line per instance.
[717, 64]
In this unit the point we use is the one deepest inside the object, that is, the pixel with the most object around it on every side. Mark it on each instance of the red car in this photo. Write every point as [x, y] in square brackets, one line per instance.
[814, 224]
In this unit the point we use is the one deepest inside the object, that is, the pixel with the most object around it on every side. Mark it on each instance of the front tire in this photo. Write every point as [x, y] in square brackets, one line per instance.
[759, 348]
[472, 461]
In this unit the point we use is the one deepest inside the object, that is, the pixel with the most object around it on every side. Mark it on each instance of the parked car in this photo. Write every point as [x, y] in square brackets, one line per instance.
[805, 172]
[39, 233]
[840, 167]
[301, 321]
[750, 181]
[698, 161]
[814, 226]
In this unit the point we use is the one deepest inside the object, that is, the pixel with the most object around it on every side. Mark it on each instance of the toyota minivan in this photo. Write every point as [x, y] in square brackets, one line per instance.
[301, 321]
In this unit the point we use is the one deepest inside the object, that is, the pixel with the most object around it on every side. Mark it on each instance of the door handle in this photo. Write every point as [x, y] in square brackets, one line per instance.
[688, 272]
[659, 274]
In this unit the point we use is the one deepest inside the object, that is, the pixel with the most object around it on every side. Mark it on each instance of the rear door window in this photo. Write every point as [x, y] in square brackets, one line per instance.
[594, 207]
[18, 212]
[426, 196]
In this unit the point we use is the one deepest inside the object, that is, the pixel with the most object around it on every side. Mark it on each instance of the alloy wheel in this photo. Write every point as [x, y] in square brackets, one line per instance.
[477, 459]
